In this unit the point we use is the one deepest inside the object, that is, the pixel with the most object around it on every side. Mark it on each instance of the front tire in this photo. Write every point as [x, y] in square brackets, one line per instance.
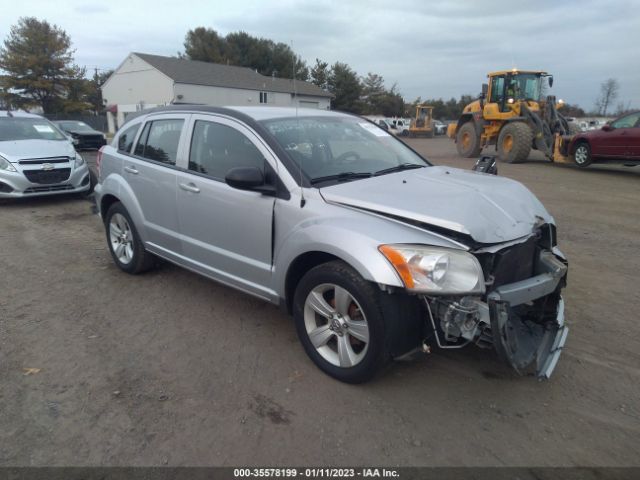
[514, 142]
[125, 245]
[339, 320]
[582, 155]
[468, 141]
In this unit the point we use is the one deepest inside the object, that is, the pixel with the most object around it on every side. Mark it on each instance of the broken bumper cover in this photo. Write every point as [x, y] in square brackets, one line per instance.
[518, 339]
[522, 345]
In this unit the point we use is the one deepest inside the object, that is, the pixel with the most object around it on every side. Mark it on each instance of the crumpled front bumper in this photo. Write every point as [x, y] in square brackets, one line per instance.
[521, 342]
[523, 321]
[522, 345]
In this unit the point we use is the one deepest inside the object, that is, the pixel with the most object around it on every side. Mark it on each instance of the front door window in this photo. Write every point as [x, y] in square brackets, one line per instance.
[217, 148]
[630, 121]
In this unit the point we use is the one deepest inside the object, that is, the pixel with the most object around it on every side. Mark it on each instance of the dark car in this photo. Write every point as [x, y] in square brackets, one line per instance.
[84, 137]
[618, 140]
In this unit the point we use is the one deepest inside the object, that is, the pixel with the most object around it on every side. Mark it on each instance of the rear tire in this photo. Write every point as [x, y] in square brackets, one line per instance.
[468, 141]
[335, 310]
[582, 155]
[514, 142]
[125, 245]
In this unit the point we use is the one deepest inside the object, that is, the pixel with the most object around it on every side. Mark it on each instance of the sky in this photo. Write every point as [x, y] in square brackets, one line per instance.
[427, 48]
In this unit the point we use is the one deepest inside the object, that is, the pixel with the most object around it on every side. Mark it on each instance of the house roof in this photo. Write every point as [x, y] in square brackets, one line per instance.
[217, 75]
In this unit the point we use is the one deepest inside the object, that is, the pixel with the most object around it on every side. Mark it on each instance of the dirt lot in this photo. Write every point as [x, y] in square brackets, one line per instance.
[170, 368]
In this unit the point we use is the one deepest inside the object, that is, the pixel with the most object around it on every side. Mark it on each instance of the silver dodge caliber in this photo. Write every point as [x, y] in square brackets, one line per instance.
[375, 252]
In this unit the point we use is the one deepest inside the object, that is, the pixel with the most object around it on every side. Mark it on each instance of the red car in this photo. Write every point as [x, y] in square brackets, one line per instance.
[618, 140]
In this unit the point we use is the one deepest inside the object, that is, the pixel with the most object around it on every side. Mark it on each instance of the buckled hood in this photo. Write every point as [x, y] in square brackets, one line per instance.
[488, 208]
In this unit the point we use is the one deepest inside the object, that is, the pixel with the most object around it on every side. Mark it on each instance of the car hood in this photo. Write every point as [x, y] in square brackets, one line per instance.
[488, 208]
[23, 149]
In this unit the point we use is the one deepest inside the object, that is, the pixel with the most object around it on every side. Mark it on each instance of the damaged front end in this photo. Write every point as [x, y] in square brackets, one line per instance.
[521, 313]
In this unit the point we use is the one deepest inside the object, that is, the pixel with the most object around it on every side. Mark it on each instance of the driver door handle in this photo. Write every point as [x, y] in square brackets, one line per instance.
[131, 170]
[189, 187]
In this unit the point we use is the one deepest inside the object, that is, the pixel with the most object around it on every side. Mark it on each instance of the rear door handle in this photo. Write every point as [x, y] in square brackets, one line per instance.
[189, 187]
[131, 170]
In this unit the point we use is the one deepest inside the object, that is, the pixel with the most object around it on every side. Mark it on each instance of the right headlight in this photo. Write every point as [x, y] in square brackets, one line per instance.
[435, 270]
[6, 165]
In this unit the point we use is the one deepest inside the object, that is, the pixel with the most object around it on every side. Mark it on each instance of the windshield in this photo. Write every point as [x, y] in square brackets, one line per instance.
[344, 147]
[524, 87]
[75, 126]
[16, 128]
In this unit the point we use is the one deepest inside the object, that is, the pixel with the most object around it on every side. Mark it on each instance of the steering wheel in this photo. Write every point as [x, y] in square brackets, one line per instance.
[348, 154]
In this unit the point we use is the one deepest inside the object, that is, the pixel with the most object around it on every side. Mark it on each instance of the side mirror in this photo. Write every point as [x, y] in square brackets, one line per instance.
[607, 128]
[550, 81]
[248, 178]
[485, 89]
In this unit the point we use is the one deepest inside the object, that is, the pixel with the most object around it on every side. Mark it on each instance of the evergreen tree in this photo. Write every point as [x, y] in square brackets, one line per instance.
[39, 65]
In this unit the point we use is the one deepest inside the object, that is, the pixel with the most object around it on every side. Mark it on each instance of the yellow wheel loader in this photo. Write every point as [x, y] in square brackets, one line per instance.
[513, 114]
[422, 124]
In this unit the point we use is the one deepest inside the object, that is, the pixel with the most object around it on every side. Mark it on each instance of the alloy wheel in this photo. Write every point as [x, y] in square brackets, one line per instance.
[336, 325]
[121, 238]
[581, 154]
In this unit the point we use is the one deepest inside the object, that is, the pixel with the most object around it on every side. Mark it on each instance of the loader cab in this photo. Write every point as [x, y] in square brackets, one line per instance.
[508, 88]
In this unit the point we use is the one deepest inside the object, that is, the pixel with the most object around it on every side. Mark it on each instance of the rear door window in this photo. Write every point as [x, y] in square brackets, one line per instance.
[159, 140]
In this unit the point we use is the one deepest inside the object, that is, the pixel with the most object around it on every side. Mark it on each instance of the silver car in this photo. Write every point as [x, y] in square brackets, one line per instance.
[374, 251]
[38, 159]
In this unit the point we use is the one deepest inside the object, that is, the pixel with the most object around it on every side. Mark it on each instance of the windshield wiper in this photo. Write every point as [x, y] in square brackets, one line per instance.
[399, 168]
[340, 177]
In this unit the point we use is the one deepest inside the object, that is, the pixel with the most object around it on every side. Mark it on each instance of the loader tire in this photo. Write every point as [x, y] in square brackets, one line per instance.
[468, 141]
[514, 142]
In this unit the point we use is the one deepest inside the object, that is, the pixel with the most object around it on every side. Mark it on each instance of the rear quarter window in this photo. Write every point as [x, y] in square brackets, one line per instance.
[126, 138]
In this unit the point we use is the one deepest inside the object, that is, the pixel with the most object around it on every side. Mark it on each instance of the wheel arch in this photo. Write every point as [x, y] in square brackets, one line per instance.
[297, 269]
[465, 118]
[116, 189]
[402, 313]
[578, 141]
[361, 255]
[105, 203]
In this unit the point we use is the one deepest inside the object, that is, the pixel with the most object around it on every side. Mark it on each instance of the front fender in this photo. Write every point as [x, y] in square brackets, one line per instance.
[346, 233]
[356, 249]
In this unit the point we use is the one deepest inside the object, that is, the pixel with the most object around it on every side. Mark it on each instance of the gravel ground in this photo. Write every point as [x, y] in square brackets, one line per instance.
[168, 368]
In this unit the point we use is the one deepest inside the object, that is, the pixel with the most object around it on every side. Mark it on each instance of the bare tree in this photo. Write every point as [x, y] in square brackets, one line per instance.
[608, 94]
[623, 109]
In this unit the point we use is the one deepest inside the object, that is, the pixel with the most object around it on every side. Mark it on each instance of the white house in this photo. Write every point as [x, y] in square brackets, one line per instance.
[145, 81]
